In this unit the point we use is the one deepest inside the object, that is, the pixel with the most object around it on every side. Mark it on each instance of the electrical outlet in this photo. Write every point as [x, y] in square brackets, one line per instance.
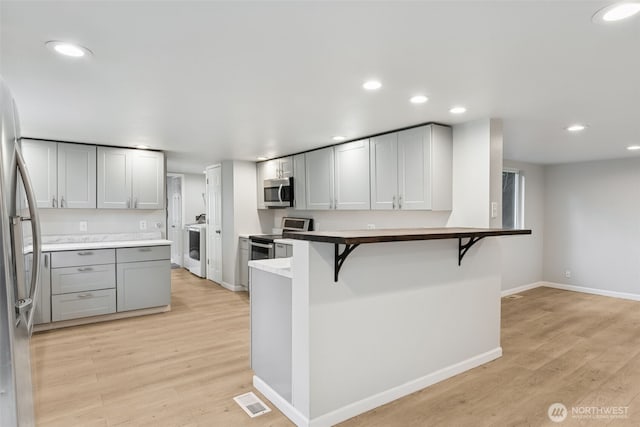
[371, 226]
[567, 274]
[83, 225]
[494, 209]
[143, 225]
[158, 225]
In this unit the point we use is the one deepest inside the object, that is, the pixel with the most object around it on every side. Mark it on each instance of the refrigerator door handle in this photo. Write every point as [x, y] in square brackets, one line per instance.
[35, 233]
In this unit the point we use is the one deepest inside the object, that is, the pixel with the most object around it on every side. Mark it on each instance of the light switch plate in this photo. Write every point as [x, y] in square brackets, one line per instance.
[494, 209]
[83, 225]
[143, 225]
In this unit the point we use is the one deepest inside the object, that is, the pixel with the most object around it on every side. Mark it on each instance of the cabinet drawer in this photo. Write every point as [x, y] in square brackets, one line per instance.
[87, 257]
[244, 243]
[86, 278]
[83, 304]
[146, 253]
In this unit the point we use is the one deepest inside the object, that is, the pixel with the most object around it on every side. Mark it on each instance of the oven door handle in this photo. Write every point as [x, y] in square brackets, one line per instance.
[262, 245]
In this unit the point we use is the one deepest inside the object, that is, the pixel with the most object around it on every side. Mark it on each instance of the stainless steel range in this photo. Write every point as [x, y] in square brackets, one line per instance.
[263, 246]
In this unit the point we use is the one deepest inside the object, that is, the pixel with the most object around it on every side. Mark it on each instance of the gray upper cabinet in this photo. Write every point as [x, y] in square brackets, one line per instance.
[63, 174]
[114, 178]
[351, 181]
[148, 179]
[319, 179]
[130, 179]
[77, 176]
[299, 182]
[384, 171]
[412, 169]
[42, 164]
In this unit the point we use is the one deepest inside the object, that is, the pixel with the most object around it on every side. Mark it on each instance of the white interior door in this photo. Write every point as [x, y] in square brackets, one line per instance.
[214, 223]
[174, 217]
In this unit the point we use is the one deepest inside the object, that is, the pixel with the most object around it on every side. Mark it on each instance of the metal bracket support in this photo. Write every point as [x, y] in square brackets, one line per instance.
[462, 249]
[339, 258]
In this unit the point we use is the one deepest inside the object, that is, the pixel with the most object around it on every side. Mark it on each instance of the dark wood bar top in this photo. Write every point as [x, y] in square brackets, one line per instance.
[354, 237]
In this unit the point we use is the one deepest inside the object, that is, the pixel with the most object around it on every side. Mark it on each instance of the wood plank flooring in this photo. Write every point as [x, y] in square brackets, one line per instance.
[183, 368]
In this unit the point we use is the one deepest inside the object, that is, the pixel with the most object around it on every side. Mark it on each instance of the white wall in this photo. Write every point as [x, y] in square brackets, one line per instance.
[592, 225]
[67, 221]
[194, 188]
[477, 166]
[522, 255]
[239, 215]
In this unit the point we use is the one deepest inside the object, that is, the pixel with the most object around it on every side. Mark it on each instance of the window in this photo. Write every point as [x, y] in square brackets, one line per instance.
[512, 199]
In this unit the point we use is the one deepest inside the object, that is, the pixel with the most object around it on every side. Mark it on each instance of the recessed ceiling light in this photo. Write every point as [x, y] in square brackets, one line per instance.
[576, 128]
[457, 110]
[68, 49]
[339, 138]
[616, 12]
[261, 158]
[372, 85]
[633, 147]
[418, 99]
[142, 146]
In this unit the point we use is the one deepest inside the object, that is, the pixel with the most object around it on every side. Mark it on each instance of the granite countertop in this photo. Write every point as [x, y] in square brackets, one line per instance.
[74, 242]
[279, 266]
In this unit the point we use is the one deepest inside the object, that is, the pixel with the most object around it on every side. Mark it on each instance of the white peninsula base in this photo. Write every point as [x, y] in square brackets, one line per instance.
[402, 316]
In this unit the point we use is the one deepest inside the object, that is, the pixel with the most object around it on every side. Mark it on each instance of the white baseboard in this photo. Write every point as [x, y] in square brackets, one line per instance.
[594, 291]
[234, 288]
[522, 288]
[285, 407]
[573, 288]
[372, 402]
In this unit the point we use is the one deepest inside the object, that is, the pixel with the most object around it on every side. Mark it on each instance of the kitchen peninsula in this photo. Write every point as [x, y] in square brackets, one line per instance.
[373, 315]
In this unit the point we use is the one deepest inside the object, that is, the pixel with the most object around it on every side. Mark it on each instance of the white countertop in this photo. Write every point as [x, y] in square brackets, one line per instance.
[77, 246]
[279, 266]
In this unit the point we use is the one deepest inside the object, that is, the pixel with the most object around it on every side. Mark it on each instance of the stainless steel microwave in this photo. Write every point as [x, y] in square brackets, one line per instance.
[278, 193]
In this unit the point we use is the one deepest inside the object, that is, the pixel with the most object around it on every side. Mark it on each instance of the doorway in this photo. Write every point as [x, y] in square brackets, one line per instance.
[175, 216]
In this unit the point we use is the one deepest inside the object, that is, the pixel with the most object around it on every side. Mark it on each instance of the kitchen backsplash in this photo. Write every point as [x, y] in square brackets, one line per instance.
[356, 220]
[101, 221]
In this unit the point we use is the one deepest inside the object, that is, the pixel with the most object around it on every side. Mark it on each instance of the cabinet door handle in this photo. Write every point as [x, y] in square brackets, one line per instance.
[62, 202]
[393, 203]
[83, 253]
[46, 261]
[144, 249]
[85, 295]
[54, 203]
[135, 203]
[128, 202]
[335, 203]
[400, 202]
[85, 269]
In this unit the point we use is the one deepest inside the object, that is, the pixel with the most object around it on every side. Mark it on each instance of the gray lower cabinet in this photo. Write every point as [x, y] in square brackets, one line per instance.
[83, 304]
[143, 277]
[83, 283]
[283, 250]
[77, 284]
[244, 261]
[43, 300]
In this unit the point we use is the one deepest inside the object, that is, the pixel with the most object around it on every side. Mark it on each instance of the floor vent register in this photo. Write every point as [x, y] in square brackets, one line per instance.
[251, 404]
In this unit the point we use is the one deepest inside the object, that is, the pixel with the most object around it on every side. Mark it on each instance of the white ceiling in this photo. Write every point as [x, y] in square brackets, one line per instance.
[209, 80]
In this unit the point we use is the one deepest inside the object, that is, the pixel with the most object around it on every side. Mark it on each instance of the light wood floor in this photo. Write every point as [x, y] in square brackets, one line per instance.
[183, 368]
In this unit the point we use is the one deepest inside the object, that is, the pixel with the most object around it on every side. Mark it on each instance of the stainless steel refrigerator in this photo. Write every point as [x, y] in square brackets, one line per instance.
[19, 246]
